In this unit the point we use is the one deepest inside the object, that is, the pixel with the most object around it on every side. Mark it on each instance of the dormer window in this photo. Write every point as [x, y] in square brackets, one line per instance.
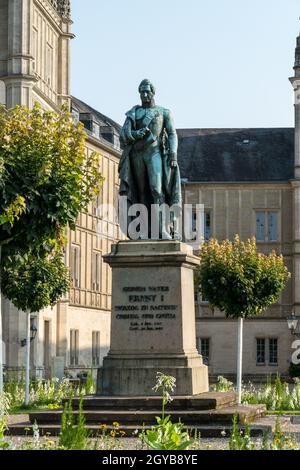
[96, 129]
[90, 124]
[75, 115]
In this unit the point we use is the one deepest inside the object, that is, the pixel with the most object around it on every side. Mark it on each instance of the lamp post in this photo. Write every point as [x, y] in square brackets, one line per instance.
[184, 182]
[239, 360]
[33, 332]
[292, 322]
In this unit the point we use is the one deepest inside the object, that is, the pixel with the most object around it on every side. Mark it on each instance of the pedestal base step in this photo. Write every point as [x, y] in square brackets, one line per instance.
[223, 416]
[205, 431]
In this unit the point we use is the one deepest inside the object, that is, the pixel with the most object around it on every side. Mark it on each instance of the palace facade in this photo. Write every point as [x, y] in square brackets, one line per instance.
[247, 179]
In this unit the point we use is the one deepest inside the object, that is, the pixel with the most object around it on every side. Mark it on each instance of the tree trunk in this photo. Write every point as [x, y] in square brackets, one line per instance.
[27, 372]
[1, 339]
[239, 360]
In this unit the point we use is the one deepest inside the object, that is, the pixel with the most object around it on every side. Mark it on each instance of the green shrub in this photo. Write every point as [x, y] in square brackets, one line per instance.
[294, 370]
[166, 435]
[238, 280]
[4, 445]
[278, 396]
[73, 435]
[240, 440]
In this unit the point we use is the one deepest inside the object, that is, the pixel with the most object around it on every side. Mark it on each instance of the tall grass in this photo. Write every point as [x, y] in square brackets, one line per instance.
[277, 396]
[45, 392]
[73, 434]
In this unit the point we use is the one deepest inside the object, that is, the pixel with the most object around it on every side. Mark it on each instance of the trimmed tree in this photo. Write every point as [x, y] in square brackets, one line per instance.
[239, 281]
[35, 283]
[46, 174]
[46, 179]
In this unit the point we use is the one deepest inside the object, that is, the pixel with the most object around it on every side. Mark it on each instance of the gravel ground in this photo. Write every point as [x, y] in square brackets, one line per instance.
[285, 423]
[18, 419]
[130, 444]
[134, 444]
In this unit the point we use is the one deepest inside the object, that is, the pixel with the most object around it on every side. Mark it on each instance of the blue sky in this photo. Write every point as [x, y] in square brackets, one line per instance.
[215, 63]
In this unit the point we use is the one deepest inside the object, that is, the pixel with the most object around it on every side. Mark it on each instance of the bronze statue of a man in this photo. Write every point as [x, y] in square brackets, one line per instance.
[148, 169]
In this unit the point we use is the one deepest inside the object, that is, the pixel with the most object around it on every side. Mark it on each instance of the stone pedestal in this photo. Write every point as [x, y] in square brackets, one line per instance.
[153, 320]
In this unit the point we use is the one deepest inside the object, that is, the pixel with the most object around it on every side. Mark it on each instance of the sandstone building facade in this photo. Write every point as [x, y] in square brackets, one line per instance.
[34, 66]
[247, 179]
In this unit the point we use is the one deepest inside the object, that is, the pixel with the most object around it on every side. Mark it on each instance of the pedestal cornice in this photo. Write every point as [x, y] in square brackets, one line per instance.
[152, 253]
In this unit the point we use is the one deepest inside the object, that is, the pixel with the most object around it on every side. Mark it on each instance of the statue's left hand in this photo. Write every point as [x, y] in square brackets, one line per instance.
[173, 160]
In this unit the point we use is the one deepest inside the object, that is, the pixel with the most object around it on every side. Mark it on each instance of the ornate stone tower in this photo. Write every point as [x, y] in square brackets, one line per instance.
[34, 52]
[34, 66]
[295, 80]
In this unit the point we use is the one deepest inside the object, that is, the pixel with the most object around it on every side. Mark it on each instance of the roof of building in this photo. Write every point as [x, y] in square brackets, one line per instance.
[233, 155]
[225, 155]
[106, 130]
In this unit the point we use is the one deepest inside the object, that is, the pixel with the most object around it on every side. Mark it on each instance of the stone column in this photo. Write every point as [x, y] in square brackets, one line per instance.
[20, 78]
[296, 243]
[295, 81]
[64, 62]
[296, 85]
[153, 320]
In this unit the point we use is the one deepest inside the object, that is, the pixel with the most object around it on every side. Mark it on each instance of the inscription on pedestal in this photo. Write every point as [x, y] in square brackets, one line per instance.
[153, 320]
[146, 308]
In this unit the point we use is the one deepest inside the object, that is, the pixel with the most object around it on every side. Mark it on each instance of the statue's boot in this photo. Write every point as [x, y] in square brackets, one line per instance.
[164, 232]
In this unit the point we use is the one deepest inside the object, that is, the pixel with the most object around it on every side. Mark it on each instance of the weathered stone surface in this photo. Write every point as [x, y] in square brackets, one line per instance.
[153, 320]
[204, 401]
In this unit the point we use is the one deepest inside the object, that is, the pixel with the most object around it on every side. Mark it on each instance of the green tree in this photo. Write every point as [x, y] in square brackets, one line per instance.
[46, 179]
[238, 280]
[34, 283]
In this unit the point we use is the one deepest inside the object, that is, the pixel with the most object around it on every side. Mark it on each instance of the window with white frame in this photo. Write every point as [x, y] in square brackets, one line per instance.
[267, 226]
[96, 271]
[207, 225]
[260, 351]
[204, 349]
[206, 222]
[267, 351]
[74, 347]
[49, 65]
[273, 351]
[96, 348]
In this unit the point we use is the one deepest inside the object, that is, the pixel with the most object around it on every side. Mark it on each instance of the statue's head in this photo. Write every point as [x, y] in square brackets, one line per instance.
[147, 92]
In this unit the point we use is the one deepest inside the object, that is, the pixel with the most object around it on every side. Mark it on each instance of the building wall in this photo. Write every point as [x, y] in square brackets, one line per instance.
[34, 66]
[96, 230]
[2, 93]
[223, 344]
[94, 320]
[34, 53]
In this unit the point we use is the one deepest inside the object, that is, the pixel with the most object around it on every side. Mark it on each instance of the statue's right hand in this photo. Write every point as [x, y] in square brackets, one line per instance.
[140, 134]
